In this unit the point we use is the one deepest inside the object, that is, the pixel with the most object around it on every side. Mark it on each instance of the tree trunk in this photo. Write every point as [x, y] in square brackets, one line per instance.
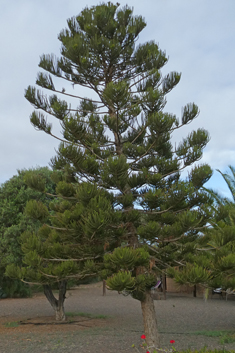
[57, 304]
[195, 290]
[150, 322]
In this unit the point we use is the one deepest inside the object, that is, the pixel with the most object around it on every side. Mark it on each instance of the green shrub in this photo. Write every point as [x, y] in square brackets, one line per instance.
[10, 288]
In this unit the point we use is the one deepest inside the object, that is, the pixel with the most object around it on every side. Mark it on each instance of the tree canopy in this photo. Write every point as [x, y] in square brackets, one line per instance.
[215, 267]
[14, 195]
[70, 242]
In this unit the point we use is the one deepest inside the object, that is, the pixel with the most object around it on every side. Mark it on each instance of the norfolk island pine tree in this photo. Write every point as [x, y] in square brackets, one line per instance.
[71, 245]
[215, 266]
[120, 141]
[219, 239]
[222, 236]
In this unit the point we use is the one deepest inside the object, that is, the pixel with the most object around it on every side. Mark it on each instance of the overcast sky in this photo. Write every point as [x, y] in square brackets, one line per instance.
[197, 35]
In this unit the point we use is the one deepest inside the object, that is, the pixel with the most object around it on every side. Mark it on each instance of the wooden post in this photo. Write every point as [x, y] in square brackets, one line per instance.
[104, 287]
[164, 285]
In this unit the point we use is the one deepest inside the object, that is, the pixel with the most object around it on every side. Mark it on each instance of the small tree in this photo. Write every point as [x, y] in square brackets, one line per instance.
[222, 236]
[120, 139]
[71, 246]
[14, 195]
[222, 240]
[215, 267]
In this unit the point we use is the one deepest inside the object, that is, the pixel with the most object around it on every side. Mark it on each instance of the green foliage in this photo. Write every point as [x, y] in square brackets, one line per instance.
[192, 274]
[200, 175]
[65, 189]
[37, 210]
[230, 180]
[221, 237]
[120, 146]
[72, 242]
[131, 271]
[14, 195]
[14, 288]
[35, 181]
[121, 281]
[127, 258]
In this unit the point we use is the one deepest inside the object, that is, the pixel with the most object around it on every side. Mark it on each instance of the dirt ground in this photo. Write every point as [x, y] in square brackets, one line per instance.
[27, 325]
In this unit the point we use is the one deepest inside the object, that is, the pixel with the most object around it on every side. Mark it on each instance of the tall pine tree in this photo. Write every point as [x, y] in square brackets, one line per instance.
[120, 139]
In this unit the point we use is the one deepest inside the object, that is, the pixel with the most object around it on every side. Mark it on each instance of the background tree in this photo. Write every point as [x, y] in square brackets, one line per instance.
[222, 240]
[221, 237]
[14, 194]
[215, 267]
[230, 181]
[120, 139]
[71, 246]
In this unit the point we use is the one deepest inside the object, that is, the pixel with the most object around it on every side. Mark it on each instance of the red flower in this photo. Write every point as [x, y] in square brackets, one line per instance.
[147, 352]
[143, 337]
[172, 341]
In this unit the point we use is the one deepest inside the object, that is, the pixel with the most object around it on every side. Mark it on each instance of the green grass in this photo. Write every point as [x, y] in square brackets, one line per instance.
[211, 333]
[225, 336]
[205, 350]
[229, 338]
[11, 324]
[91, 316]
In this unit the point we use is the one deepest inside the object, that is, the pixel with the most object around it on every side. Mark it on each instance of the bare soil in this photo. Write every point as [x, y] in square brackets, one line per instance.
[179, 317]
